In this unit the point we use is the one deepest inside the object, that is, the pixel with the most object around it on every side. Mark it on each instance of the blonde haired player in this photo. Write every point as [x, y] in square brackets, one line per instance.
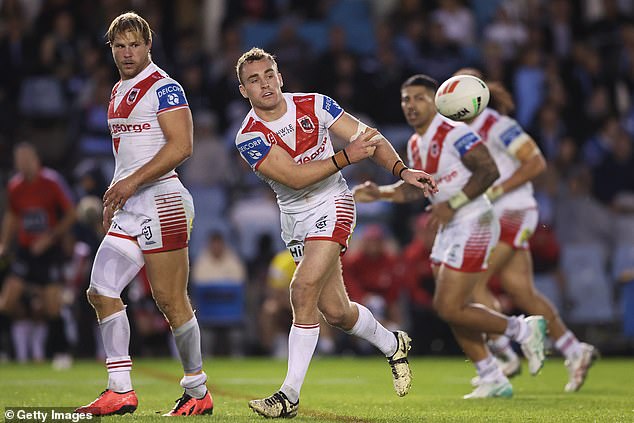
[519, 160]
[285, 138]
[148, 216]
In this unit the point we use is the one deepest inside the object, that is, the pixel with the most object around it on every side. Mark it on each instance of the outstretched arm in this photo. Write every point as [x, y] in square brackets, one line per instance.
[347, 127]
[280, 166]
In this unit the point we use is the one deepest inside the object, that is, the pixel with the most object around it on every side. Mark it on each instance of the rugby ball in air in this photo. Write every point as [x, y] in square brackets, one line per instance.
[462, 97]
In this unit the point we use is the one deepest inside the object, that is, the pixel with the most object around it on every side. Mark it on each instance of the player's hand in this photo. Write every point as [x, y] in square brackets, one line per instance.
[118, 194]
[108, 212]
[363, 146]
[420, 179]
[366, 192]
[441, 213]
[41, 244]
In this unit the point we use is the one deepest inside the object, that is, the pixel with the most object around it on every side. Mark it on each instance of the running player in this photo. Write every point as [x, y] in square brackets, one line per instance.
[519, 160]
[467, 232]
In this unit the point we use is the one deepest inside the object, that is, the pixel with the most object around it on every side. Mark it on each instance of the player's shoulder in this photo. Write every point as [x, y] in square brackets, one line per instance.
[250, 131]
[452, 129]
[15, 182]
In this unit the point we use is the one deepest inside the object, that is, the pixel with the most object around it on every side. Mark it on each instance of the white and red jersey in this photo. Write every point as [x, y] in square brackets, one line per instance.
[504, 136]
[303, 132]
[133, 118]
[439, 152]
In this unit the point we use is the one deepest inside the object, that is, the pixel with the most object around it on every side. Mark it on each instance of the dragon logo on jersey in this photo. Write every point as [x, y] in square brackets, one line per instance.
[132, 95]
[306, 123]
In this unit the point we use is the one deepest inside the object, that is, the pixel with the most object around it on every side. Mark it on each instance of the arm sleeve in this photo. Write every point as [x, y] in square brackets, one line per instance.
[510, 135]
[465, 140]
[327, 109]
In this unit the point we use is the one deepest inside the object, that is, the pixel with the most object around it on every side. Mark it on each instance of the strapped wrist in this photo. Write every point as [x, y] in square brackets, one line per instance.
[494, 192]
[340, 159]
[398, 168]
[458, 200]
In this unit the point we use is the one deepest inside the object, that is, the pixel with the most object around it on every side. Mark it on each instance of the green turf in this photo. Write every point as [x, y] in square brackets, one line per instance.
[342, 390]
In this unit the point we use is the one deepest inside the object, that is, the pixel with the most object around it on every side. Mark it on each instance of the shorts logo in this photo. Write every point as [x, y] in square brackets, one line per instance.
[134, 92]
[147, 232]
[297, 251]
[321, 222]
[306, 123]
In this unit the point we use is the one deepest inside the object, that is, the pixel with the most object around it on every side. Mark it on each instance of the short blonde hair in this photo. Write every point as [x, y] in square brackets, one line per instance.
[253, 55]
[129, 21]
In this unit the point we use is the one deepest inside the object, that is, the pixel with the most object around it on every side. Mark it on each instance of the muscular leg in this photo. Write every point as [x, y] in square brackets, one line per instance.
[168, 273]
[498, 259]
[319, 262]
[116, 263]
[353, 318]
[517, 281]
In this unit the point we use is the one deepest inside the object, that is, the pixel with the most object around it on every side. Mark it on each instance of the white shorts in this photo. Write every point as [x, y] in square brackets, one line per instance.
[466, 244]
[158, 217]
[517, 226]
[332, 220]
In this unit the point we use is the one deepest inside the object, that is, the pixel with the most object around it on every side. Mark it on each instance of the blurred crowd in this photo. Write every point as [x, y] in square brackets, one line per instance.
[569, 65]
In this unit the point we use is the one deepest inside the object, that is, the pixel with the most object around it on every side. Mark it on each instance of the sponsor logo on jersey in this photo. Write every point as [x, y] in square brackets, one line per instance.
[466, 142]
[306, 123]
[331, 107]
[132, 95]
[448, 177]
[314, 154]
[253, 150]
[271, 137]
[170, 95]
[511, 134]
[118, 128]
[284, 131]
[297, 251]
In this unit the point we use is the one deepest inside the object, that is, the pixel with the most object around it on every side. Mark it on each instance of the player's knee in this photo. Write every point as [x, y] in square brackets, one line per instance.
[444, 309]
[303, 296]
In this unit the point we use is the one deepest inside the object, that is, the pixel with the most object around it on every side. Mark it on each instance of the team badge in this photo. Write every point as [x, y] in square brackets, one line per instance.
[434, 150]
[306, 123]
[132, 95]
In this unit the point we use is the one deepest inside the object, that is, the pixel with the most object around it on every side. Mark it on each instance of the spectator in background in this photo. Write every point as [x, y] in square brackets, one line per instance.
[217, 263]
[371, 276]
[40, 213]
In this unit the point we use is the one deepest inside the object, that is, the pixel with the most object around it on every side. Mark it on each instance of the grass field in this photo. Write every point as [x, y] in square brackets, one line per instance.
[341, 390]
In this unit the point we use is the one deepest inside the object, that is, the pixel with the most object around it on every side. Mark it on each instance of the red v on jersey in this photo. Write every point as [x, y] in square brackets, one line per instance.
[132, 97]
[306, 124]
[435, 147]
[306, 127]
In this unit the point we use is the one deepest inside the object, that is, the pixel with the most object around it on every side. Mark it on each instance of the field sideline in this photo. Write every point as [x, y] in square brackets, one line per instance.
[341, 390]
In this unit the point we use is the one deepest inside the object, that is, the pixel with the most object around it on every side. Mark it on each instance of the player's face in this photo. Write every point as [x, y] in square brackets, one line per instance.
[26, 162]
[130, 53]
[418, 106]
[262, 84]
